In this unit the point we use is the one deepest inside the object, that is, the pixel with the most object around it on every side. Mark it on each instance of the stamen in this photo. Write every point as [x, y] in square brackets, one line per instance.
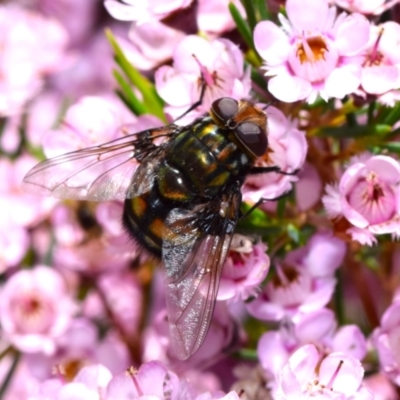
[335, 374]
[132, 371]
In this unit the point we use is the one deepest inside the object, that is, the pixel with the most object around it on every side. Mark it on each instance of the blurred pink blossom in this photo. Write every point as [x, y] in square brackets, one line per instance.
[90, 121]
[245, 268]
[287, 149]
[381, 66]
[314, 53]
[304, 280]
[213, 17]
[381, 387]
[35, 309]
[17, 207]
[80, 345]
[307, 374]
[219, 62]
[318, 328]
[14, 243]
[145, 10]
[308, 188]
[150, 44]
[32, 47]
[88, 243]
[374, 7]
[386, 341]
[367, 196]
[122, 294]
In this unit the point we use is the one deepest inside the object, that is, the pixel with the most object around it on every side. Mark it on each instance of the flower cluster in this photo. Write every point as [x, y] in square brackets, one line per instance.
[280, 281]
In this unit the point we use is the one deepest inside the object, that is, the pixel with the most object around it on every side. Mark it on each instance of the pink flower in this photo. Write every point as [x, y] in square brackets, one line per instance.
[35, 309]
[381, 67]
[80, 345]
[16, 206]
[121, 292]
[307, 374]
[14, 243]
[219, 62]
[151, 381]
[308, 188]
[214, 17]
[245, 268]
[144, 10]
[304, 281]
[90, 237]
[381, 387]
[90, 121]
[150, 44]
[32, 47]
[387, 343]
[374, 7]
[287, 149]
[367, 196]
[318, 328]
[314, 53]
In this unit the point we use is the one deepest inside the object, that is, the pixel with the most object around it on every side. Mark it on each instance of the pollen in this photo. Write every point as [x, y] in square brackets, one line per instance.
[312, 49]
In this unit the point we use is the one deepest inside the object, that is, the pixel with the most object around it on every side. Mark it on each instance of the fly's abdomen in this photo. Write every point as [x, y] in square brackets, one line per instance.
[144, 218]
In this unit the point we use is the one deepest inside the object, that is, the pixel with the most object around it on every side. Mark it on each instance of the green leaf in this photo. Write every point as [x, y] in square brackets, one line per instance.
[355, 131]
[391, 146]
[293, 233]
[262, 11]
[393, 116]
[128, 96]
[250, 12]
[151, 100]
[241, 25]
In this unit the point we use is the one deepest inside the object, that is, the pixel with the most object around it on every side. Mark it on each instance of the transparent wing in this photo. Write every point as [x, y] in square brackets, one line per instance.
[193, 256]
[98, 173]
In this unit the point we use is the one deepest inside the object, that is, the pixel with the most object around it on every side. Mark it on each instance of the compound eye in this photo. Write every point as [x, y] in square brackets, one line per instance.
[253, 137]
[225, 108]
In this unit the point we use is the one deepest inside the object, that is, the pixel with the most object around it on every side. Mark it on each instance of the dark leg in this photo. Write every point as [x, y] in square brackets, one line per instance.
[198, 102]
[259, 202]
[275, 168]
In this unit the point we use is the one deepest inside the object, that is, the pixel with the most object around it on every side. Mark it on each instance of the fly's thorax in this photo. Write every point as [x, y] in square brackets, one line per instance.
[201, 161]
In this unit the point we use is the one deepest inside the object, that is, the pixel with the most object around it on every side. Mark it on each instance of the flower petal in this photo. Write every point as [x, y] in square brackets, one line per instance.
[289, 88]
[307, 15]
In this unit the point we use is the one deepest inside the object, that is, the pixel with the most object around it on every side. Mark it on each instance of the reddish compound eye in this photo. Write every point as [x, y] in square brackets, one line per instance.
[253, 137]
[225, 108]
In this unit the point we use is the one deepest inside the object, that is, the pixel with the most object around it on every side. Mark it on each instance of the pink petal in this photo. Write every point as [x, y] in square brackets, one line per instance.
[352, 34]
[289, 88]
[387, 168]
[308, 188]
[271, 42]
[307, 15]
[343, 81]
[350, 340]
[391, 317]
[303, 363]
[271, 351]
[172, 87]
[349, 376]
[389, 43]
[316, 326]
[380, 79]
[122, 12]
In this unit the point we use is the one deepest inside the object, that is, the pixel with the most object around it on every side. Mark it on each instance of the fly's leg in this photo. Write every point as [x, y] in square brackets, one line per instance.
[198, 102]
[262, 200]
[275, 168]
